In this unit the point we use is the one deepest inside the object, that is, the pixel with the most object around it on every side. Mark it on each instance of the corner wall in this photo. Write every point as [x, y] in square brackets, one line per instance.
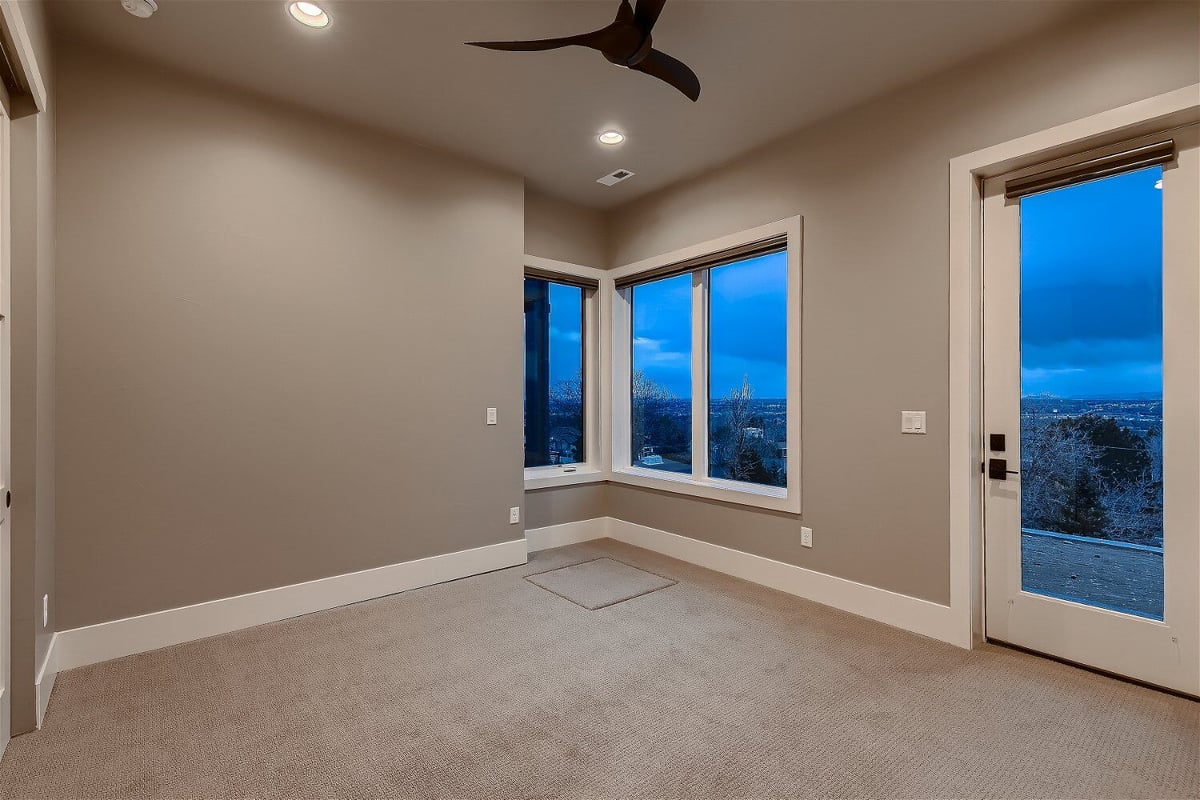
[277, 337]
[871, 185]
[562, 231]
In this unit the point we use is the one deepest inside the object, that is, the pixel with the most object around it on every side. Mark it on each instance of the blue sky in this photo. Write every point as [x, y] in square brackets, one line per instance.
[1091, 288]
[748, 331]
[566, 334]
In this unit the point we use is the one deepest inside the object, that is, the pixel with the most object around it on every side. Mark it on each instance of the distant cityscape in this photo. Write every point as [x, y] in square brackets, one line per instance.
[747, 440]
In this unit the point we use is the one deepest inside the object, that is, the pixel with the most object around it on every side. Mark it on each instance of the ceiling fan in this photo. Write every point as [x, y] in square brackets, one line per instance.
[626, 42]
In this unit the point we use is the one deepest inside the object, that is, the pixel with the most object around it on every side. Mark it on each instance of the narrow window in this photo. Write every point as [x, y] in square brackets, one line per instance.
[554, 373]
[747, 370]
[661, 377]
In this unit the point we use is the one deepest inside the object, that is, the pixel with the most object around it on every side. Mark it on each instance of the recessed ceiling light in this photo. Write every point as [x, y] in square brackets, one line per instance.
[611, 137]
[309, 14]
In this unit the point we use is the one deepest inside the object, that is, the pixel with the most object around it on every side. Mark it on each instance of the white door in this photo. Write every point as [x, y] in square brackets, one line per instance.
[1092, 409]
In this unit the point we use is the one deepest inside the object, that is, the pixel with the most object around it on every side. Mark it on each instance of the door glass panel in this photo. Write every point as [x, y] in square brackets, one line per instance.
[661, 390]
[1091, 393]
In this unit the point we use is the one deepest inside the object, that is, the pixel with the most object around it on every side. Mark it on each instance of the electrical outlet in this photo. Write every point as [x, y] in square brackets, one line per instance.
[514, 515]
[491, 416]
[45, 610]
[806, 537]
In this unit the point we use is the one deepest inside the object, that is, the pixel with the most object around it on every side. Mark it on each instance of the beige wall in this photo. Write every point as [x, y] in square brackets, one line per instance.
[871, 185]
[276, 339]
[565, 504]
[32, 327]
[563, 231]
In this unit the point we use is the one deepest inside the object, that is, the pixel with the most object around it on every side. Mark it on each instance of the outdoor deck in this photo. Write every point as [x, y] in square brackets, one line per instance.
[1123, 577]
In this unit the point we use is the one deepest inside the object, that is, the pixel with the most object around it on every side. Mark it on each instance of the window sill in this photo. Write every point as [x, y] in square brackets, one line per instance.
[546, 477]
[773, 498]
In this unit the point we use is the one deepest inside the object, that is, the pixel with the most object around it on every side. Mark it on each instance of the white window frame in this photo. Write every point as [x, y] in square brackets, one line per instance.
[697, 483]
[595, 428]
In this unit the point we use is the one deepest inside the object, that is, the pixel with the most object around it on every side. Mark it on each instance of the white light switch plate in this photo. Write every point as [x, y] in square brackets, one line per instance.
[912, 422]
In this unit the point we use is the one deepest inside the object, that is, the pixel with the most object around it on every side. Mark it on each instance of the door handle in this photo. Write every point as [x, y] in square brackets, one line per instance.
[998, 469]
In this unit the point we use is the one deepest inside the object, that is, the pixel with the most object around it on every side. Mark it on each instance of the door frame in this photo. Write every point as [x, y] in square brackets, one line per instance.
[29, 99]
[967, 173]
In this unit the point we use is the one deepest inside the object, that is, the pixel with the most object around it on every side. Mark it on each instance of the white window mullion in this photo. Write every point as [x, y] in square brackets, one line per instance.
[622, 353]
[700, 374]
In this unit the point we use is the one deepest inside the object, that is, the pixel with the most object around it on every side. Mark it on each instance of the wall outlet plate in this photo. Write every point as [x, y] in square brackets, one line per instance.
[490, 416]
[806, 537]
[514, 515]
[45, 610]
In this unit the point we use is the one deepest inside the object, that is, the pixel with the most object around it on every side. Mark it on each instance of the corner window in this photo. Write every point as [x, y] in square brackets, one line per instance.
[560, 375]
[707, 402]
[747, 370]
[661, 385]
[554, 428]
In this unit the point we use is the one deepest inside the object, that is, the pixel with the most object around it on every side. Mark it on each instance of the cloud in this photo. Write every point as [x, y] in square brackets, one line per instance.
[559, 335]
[1080, 354]
[652, 352]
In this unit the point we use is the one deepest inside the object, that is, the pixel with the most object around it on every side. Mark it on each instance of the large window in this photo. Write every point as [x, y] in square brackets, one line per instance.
[554, 373]
[708, 399]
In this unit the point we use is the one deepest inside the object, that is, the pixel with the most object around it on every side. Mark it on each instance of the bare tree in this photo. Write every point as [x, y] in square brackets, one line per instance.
[740, 451]
[648, 399]
[1060, 480]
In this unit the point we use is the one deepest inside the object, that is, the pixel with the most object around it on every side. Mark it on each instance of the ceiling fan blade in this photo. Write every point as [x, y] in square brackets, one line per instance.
[672, 71]
[584, 39]
[646, 13]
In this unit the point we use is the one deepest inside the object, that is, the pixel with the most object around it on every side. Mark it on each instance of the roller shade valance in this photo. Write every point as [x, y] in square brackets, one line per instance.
[775, 244]
[561, 277]
[1149, 155]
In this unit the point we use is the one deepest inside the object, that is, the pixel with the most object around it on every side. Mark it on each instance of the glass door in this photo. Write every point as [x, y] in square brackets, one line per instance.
[1092, 411]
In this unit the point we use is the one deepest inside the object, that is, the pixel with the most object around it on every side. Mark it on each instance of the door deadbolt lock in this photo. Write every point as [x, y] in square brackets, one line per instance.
[998, 469]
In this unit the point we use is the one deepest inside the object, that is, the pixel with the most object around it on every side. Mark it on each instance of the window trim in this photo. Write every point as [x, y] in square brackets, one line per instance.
[594, 419]
[698, 484]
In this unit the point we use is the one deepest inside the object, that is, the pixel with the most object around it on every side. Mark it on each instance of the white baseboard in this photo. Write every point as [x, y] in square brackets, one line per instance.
[46, 674]
[891, 608]
[95, 643]
[567, 533]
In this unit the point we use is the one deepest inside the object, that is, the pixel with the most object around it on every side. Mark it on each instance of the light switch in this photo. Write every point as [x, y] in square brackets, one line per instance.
[491, 416]
[912, 422]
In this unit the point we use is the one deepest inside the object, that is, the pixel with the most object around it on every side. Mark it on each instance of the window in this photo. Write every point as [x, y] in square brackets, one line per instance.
[707, 402]
[553, 374]
[561, 374]
[661, 384]
[747, 370]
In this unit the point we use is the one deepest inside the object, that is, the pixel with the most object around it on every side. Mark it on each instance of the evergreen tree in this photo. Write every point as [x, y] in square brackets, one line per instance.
[1080, 511]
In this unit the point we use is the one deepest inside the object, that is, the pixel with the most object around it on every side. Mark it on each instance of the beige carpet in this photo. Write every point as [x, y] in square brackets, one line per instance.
[491, 687]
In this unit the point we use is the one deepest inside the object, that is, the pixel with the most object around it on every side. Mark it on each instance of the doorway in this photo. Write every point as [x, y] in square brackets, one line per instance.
[1091, 408]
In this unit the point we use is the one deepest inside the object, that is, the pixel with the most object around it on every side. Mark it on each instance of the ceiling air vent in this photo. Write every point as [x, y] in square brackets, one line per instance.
[615, 177]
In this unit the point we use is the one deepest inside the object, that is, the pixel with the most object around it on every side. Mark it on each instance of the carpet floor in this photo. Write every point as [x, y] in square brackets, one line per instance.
[491, 687]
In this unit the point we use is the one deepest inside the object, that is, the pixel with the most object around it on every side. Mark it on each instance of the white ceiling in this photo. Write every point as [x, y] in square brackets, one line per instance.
[766, 68]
